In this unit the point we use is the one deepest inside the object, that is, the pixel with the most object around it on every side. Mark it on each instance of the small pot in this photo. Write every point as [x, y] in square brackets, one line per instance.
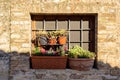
[52, 41]
[62, 40]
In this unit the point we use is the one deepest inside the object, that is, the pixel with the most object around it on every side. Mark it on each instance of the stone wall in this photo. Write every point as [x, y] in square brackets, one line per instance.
[5, 25]
[4, 65]
[20, 26]
[107, 30]
[15, 31]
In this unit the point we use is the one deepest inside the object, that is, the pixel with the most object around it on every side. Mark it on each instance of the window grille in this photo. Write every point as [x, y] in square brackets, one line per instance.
[81, 28]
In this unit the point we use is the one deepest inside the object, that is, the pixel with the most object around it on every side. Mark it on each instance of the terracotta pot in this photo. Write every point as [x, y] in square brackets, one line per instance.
[62, 40]
[48, 62]
[82, 64]
[52, 41]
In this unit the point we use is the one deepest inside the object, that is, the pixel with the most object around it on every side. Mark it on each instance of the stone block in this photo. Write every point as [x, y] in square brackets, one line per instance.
[115, 71]
[76, 76]
[25, 45]
[4, 65]
[15, 36]
[108, 77]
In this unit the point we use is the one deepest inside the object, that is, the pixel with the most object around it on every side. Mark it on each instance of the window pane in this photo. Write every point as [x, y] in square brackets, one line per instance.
[39, 25]
[73, 44]
[50, 25]
[85, 46]
[85, 24]
[75, 25]
[74, 36]
[85, 36]
[62, 24]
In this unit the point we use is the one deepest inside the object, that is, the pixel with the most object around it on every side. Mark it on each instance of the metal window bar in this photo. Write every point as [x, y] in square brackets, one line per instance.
[80, 33]
[43, 24]
[69, 34]
[56, 24]
[83, 36]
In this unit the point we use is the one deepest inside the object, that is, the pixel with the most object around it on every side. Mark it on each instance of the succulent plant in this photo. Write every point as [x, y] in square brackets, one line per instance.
[78, 52]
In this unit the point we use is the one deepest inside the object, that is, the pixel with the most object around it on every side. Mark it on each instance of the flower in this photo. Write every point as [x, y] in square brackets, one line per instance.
[59, 51]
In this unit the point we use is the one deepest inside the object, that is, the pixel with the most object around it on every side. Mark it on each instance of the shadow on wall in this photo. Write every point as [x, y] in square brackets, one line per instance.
[16, 60]
[21, 61]
[4, 65]
[113, 71]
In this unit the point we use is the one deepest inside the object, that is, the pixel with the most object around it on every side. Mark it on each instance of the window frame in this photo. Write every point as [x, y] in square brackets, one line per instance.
[93, 17]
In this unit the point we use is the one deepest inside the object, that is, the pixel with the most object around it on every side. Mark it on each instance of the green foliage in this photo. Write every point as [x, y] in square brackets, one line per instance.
[36, 51]
[52, 34]
[62, 51]
[50, 52]
[41, 33]
[78, 52]
[62, 32]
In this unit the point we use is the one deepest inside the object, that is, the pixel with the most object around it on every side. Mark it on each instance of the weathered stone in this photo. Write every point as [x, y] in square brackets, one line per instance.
[24, 45]
[39, 76]
[76, 76]
[108, 77]
[15, 34]
[4, 66]
[115, 71]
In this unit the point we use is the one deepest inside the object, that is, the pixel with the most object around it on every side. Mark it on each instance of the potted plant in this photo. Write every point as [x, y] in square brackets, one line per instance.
[52, 36]
[41, 37]
[80, 59]
[48, 59]
[62, 36]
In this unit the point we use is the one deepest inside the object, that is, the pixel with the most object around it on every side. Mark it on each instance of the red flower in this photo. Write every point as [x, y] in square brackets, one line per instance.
[65, 48]
[43, 50]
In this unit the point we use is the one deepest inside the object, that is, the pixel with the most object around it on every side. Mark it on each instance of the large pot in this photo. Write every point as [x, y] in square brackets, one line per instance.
[82, 64]
[48, 62]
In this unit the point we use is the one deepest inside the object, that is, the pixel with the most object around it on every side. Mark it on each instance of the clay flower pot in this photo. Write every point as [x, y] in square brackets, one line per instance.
[80, 59]
[62, 40]
[52, 41]
[82, 64]
[49, 62]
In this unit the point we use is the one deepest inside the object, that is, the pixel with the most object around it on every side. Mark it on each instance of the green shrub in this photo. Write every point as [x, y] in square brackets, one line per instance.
[78, 52]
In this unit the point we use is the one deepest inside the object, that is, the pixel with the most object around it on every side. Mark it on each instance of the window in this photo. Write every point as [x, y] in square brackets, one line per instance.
[81, 28]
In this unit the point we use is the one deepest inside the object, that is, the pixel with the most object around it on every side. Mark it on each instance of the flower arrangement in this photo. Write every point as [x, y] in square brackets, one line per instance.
[40, 51]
